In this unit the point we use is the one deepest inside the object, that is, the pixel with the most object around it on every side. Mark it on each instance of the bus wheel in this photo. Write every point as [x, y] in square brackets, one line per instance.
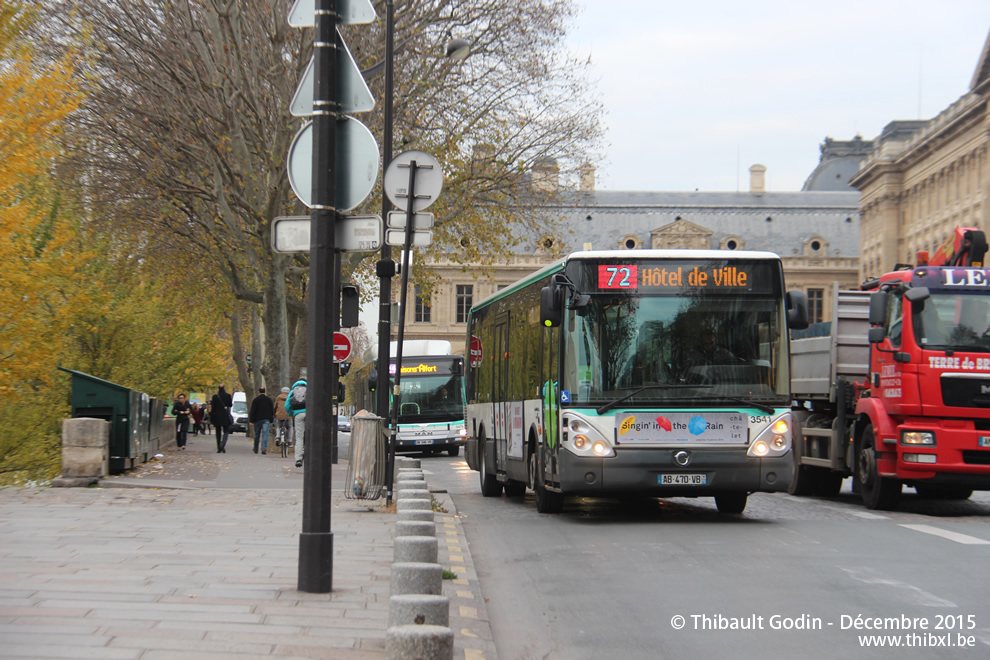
[733, 501]
[547, 501]
[453, 451]
[878, 492]
[490, 487]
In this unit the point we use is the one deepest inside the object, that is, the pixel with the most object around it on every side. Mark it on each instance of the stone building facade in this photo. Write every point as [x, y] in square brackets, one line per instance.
[815, 231]
[923, 179]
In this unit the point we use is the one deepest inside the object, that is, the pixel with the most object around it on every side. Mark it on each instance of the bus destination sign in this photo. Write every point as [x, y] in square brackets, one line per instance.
[671, 277]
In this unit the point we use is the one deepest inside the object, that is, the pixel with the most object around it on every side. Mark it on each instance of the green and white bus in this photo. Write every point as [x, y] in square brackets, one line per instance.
[646, 373]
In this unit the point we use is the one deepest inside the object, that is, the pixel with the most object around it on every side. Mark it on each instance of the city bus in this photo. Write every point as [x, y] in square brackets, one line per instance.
[649, 373]
[431, 401]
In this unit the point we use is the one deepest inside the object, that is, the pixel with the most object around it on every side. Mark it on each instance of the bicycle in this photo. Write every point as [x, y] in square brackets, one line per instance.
[282, 438]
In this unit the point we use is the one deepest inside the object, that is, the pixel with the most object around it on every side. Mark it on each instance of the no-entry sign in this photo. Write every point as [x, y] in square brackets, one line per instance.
[341, 347]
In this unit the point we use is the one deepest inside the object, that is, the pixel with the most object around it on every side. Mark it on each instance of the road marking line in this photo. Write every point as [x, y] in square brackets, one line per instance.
[860, 514]
[946, 534]
[909, 591]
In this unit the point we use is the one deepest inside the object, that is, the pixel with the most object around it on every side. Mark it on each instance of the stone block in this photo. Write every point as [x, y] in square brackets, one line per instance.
[415, 528]
[421, 549]
[418, 610]
[413, 642]
[412, 504]
[413, 577]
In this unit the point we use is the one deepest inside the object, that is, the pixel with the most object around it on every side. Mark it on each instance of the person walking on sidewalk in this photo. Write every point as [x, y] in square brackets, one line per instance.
[220, 406]
[197, 417]
[262, 414]
[181, 410]
[295, 405]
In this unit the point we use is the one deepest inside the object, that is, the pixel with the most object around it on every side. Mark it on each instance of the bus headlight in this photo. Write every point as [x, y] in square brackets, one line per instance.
[585, 439]
[774, 440]
[600, 448]
[580, 441]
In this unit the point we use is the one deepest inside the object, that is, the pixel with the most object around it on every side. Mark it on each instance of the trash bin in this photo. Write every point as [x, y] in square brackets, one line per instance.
[127, 410]
[366, 463]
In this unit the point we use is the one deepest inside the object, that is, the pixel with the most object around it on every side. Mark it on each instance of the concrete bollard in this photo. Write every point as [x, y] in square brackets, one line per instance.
[412, 493]
[416, 515]
[419, 642]
[421, 549]
[412, 504]
[419, 610]
[410, 481]
[85, 454]
[415, 528]
[406, 462]
[414, 577]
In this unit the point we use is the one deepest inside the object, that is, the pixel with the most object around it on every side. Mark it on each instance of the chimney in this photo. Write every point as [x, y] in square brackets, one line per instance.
[546, 175]
[758, 179]
[587, 177]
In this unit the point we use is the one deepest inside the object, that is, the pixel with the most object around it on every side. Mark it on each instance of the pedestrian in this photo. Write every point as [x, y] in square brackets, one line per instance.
[262, 414]
[220, 406]
[295, 405]
[281, 416]
[197, 417]
[181, 410]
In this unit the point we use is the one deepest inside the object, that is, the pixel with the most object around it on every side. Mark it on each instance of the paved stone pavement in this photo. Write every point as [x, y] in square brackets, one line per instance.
[195, 556]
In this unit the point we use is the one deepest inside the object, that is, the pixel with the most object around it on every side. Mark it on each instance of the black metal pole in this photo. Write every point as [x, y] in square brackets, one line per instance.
[407, 249]
[316, 540]
[386, 269]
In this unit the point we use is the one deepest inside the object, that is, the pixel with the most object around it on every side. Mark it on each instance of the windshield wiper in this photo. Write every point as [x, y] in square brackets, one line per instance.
[752, 404]
[611, 404]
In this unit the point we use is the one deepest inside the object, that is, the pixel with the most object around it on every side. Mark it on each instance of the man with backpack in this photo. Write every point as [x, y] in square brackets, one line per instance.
[295, 405]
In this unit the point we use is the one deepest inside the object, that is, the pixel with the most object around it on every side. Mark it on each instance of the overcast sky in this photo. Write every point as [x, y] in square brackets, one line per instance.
[696, 92]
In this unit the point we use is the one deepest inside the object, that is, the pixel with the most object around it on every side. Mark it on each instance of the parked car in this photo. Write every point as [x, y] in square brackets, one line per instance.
[343, 424]
[239, 412]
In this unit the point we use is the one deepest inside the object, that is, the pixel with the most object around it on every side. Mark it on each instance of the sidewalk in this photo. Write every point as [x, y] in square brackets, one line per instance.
[195, 556]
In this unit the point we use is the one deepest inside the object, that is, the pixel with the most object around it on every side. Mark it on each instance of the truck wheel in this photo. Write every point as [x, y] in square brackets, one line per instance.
[804, 480]
[878, 492]
[453, 451]
[490, 486]
[731, 502]
[944, 492]
[547, 501]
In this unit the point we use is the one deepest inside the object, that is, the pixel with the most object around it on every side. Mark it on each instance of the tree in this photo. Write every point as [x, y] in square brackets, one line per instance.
[186, 128]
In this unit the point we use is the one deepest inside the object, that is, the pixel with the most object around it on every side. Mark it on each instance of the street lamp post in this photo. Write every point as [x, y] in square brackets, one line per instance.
[457, 49]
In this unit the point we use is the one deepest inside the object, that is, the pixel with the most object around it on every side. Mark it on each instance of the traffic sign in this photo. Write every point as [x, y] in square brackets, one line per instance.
[420, 237]
[429, 180]
[397, 220]
[357, 158]
[341, 347]
[353, 233]
[350, 90]
[349, 12]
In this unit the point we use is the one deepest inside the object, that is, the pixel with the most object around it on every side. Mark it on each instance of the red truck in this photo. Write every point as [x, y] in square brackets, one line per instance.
[895, 390]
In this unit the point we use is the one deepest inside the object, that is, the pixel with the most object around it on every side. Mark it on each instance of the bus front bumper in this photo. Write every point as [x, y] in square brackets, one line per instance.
[654, 472]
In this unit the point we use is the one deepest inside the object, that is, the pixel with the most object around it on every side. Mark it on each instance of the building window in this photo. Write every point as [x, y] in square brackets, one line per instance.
[816, 305]
[423, 309]
[465, 298]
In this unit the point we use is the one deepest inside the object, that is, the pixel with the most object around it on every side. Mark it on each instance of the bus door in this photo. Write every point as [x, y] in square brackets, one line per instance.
[500, 391]
[550, 377]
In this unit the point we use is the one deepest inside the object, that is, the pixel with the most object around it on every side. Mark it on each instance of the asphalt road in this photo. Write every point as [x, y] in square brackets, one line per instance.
[790, 577]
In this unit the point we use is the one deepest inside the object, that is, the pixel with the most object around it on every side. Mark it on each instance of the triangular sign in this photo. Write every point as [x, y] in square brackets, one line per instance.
[352, 12]
[352, 92]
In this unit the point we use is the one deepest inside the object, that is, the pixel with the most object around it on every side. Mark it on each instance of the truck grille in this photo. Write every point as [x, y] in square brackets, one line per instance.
[976, 457]
[960, 392]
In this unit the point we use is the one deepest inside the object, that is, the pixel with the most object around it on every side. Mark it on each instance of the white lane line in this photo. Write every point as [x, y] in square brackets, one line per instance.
[946, 534]
[859, 514]
[909, 592]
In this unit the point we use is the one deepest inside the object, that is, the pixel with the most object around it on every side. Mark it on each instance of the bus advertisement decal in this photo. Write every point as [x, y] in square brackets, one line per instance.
[699, 428]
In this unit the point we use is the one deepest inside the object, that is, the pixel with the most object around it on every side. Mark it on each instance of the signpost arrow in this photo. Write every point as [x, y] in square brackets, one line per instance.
[353, 233]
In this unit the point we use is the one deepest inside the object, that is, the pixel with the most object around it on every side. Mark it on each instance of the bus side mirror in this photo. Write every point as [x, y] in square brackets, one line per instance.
[878, 308]
[797, 310]
[372, 380]
[551, 305]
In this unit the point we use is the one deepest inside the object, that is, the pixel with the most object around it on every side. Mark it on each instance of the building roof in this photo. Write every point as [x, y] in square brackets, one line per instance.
[780, 222]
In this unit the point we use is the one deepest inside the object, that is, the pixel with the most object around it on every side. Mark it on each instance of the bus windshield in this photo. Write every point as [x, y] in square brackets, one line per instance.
[671, 349]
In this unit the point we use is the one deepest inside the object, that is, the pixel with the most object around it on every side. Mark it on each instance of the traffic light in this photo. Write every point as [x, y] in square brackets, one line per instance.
[350, 305]
[341, 393]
